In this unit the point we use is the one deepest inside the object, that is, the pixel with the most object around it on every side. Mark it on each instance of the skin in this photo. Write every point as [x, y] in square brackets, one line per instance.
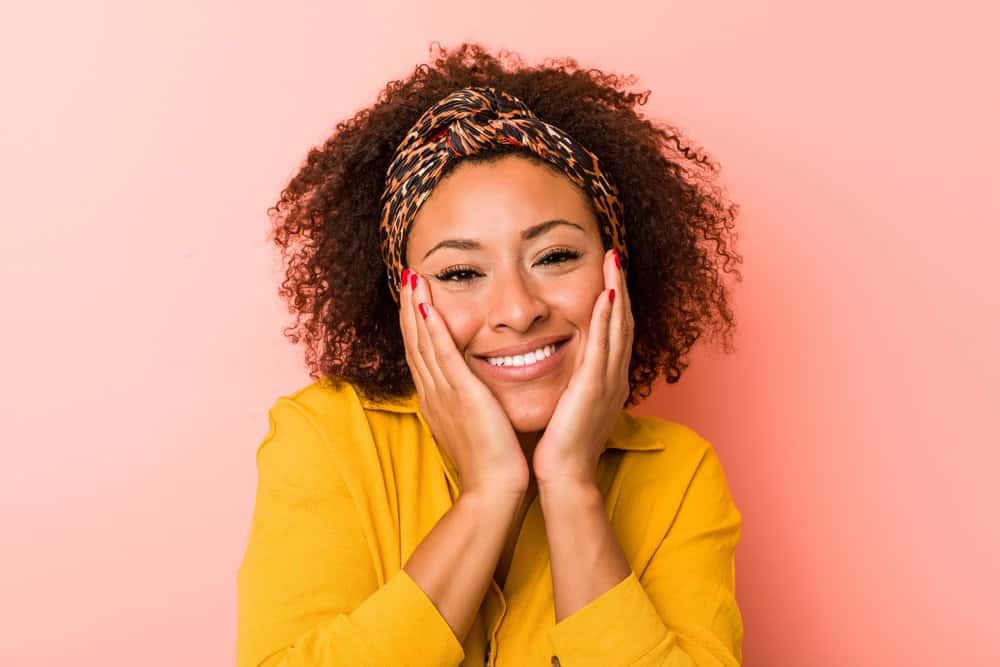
[509, 290]
[510, 296]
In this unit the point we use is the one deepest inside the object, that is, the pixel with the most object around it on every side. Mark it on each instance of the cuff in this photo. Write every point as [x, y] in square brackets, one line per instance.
[414, 624]
[617, 628]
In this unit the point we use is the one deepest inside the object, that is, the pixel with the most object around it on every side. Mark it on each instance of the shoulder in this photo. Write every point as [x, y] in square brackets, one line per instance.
[321, 399]
[308, 412]
[331, 418]
[678, 489]
[332, 404]
[315, 425]
[329, 398]
[680, 457]
[670, 442]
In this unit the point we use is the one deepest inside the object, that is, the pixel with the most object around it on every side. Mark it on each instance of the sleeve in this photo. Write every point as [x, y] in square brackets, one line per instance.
[307, 590]
[682, 610]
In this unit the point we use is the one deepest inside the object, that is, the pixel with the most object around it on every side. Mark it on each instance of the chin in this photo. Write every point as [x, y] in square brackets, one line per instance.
[528, 416]
[533, 425]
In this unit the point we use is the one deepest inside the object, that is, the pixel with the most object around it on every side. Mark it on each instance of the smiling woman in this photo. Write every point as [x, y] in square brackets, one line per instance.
[487, 267]
[512, 285]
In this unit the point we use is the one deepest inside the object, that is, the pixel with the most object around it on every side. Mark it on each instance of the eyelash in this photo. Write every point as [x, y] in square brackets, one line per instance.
[448, 274]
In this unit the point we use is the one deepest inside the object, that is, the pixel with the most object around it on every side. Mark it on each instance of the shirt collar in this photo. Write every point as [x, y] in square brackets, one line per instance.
[629, 433]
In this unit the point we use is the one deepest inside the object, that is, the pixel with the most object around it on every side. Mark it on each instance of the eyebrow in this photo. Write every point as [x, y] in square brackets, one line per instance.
[528, 234]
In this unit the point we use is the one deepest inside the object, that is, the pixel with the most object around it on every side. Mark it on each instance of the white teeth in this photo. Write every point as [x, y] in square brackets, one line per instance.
[523, 359]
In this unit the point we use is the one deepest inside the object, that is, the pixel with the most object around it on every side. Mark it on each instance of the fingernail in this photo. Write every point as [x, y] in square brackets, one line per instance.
[423, 310]
[405, 278]
[413, 280]
[611, 296]
[618, 262]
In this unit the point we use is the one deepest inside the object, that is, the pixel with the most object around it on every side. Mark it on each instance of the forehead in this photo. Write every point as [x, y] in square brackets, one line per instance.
[494, 199]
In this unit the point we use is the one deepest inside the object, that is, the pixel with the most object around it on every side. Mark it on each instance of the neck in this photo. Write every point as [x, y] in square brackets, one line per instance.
[528, 443]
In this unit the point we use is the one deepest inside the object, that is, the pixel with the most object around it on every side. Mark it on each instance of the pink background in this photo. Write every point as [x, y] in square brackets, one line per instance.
[142, 145]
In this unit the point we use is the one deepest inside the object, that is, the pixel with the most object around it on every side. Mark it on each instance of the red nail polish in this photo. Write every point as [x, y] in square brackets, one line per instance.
[611, 296]
[423, 310]
[405, 277]
[618, 261]
[413, 280]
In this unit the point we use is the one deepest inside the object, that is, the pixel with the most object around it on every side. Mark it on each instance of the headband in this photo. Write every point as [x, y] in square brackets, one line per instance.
[470, 121]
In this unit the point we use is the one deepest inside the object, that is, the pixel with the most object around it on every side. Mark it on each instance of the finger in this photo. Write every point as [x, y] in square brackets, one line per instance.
[598, 345]
[450, 361]
[618, 328]
[629, 322]
[408, 324]
[627, 304]
[421, 295]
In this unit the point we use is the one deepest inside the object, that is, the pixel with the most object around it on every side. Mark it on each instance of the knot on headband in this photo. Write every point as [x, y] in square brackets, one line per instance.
[470, 121]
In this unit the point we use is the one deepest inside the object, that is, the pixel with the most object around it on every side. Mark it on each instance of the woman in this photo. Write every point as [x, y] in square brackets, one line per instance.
[487, 266]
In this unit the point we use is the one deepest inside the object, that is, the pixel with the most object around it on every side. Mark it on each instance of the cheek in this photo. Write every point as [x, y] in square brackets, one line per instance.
[462, 319]
[575, 300]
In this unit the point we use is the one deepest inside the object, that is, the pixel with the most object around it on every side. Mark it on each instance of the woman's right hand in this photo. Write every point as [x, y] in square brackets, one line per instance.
[463, 414]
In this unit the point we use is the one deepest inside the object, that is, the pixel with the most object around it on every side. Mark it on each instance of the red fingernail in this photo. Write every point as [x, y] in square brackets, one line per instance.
[405, 278]
[423, 310]
[413, 280]
[611, 296]
[618, 261]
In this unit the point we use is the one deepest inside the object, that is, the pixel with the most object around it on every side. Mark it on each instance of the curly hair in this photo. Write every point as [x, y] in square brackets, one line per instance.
[680, 228]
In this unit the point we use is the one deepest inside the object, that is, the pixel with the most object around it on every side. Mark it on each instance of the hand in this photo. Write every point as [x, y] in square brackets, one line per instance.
[463, 414]
[585, 415]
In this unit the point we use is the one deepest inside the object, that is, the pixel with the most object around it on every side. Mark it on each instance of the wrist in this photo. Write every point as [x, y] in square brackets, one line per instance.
[492, 497]
[570, 490]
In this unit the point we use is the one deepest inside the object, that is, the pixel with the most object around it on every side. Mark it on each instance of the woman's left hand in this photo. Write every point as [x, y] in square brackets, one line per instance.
[585, 415]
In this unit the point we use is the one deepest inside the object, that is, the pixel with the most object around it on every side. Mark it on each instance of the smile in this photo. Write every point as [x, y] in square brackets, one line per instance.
[523, 359]
[524, 366]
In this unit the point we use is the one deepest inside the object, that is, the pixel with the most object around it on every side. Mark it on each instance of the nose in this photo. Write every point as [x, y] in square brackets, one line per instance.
[516, 301]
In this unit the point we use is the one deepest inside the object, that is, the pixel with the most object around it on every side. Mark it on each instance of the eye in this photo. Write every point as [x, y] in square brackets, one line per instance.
[465, 273]
[562, 255]
[462, 273]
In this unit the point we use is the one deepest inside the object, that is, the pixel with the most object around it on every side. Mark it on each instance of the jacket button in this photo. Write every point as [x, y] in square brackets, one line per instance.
[555, 661]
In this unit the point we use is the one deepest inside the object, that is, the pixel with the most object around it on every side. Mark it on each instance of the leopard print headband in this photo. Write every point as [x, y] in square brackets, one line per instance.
[467, 122]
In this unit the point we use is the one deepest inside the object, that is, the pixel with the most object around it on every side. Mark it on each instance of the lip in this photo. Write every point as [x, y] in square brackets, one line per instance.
[524, 348]
[521, 373]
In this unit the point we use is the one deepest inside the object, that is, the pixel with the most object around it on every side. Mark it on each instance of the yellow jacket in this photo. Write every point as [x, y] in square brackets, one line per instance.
[347, 489]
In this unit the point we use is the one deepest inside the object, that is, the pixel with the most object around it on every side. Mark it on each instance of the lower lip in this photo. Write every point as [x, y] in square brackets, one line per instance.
[520, 373]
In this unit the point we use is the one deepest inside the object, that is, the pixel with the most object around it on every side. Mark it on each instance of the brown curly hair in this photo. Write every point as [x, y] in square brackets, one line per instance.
[326, 219]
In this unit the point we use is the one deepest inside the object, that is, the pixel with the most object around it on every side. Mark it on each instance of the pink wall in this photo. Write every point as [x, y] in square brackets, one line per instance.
[142, 146]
